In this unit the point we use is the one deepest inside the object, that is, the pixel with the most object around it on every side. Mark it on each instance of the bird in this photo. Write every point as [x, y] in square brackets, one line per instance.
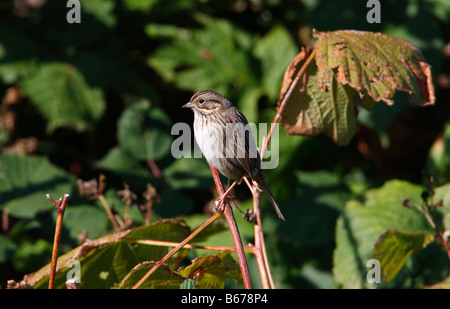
[226, 141]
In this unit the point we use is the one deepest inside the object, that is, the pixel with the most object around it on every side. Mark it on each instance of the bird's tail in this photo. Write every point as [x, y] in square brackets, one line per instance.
[272, 199]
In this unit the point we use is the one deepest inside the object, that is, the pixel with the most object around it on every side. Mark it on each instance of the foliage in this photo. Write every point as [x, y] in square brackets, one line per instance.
[101, 96]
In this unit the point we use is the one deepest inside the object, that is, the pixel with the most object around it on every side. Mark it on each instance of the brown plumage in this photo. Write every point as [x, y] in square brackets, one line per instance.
[226, 141]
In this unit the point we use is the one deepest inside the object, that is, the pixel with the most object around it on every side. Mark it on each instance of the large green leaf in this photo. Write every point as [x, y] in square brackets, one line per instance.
[107, 260]
[162, 278]
[438, 162]
[7, 248]
[211, 271]
[217, 56]
[84, 218]
[213, 57]
[320, 197]
[18, 53]
[144, 131]
[310, 110]
[275, 51]
[129, 168]
[186, 173]
[361, 224]
[320, 87]
[394, 247]
[374, 64]
[24, 182]
[63, 97]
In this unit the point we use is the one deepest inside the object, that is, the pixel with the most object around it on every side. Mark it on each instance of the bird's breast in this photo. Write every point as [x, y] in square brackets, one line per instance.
[209, 138]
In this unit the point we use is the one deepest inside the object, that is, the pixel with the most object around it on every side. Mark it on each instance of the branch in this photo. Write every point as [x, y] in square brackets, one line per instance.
[175, 250]
[424, 210]
[286, 96]
[227, 212]
[260, 247]
[163, 243]
[60, 208]
[154, 168]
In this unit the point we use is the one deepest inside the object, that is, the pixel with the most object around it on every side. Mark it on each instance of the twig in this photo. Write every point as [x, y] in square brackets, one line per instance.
[260, 247]
[94, 189]
[281, 106]
[227, 212]
[260, 254]
[176, 249]
[157, 172]
[424, 210]
[60, 208]
[439, 234]
[108, 211]
[163, 243]
[150, 195]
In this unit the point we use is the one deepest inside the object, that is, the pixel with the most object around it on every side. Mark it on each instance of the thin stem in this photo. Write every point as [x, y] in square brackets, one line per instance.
[260, 247]
[281, 106]
[60, 208]
[148, 212]
[111, 217]
[187, 246]
[176, 249]
[263, 266]
[227, 212]
[154, 168]
[433, 224]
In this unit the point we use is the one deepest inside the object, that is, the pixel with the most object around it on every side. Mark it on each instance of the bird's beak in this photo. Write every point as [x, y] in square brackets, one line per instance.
[188, 105]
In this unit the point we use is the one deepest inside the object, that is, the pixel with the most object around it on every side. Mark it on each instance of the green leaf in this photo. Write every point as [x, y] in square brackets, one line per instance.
[443, 193]
[144, 131]
[139, 5]
[211, 271]
[24, 182]
[350, 66]
[438, 162]
[107, 260]
[188, 173]
[359, 227]
[394, 247]
[103, 10]
[162, 278]
[30, 255]
[213, 57]
[168, 230]
[275, 51]
[310, 110]
[80, 218]
[374, 64]
[62, 96]
[18, 52]
[128, 168]
[188, 284]
[319, 198]
[7, 248]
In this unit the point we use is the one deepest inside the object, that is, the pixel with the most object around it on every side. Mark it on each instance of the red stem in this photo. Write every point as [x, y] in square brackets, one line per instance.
[280, 108]
[157, 172]
[228, 214]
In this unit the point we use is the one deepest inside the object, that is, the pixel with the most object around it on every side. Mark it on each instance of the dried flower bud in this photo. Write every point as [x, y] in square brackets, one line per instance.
[406, 202]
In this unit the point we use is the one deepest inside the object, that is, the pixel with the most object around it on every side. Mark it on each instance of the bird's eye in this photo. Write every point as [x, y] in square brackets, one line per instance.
[201, 101]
